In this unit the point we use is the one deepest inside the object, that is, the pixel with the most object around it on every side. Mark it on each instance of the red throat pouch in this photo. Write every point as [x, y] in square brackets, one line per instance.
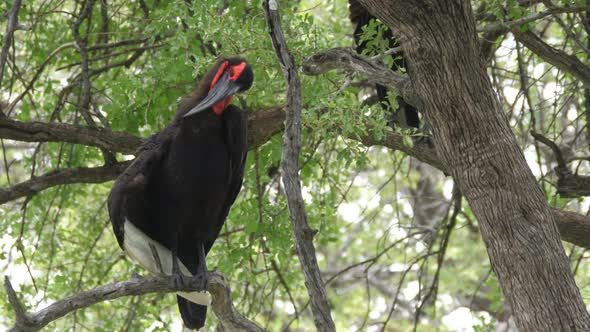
[220, 106]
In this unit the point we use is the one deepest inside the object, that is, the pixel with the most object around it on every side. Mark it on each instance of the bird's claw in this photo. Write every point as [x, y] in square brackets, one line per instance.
[202, 281]
[178, 280]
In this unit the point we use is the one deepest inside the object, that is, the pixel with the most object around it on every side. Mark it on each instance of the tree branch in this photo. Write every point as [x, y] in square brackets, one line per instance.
[509, 25]
[262, 125]
[568, 185]
[558, 58]
[320, 306]
[217, 286]
[62, 132]
[345, 59]
[59, 177]
[11, 27]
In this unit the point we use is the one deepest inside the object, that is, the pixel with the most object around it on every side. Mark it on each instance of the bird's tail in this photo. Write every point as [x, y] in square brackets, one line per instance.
[192, 314]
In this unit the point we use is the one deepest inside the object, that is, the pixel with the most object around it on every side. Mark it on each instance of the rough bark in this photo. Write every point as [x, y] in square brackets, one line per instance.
[573, 227]
[474, 141]
[303, 234]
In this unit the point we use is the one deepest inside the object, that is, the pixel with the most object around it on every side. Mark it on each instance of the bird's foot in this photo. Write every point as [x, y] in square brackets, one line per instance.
[179, 280]
[202, 280]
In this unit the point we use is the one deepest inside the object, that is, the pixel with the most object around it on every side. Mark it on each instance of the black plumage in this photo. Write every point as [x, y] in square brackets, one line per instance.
[406, 115]
[168, 206]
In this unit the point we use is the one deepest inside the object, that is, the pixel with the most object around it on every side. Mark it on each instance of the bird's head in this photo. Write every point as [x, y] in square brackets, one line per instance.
[228, 77]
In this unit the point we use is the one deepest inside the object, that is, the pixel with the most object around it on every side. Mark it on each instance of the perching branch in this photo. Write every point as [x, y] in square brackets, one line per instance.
[320, 306]
[217, 286]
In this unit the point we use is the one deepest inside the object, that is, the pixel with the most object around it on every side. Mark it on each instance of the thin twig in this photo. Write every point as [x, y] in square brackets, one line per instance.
[37, 74]
[507, 25]
[391, 51]
[11, 27]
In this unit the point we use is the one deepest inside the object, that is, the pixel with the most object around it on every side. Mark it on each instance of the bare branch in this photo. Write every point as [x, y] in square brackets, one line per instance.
[556, 151]
[345, 59]
[558, 58]
[20, 315]
[573, 185]
[568, 185]
[217, 286]
[65, 176]
[262, 126]
[320, 306]
[62, 132]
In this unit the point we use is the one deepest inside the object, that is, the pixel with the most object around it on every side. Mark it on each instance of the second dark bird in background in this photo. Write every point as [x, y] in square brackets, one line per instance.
[405, 116]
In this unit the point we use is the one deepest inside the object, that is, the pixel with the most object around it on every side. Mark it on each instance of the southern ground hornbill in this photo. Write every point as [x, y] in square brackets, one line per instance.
[168, 206]
[406, 116]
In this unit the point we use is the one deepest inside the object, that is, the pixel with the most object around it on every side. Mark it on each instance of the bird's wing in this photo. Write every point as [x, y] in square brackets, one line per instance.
[235, 124]
[131, 212]
[127, 199]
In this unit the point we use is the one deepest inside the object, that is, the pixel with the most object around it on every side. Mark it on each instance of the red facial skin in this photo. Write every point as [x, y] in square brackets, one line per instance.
[234, 72]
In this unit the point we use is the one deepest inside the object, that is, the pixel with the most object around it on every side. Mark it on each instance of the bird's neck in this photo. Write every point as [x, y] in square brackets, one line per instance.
[200, 123]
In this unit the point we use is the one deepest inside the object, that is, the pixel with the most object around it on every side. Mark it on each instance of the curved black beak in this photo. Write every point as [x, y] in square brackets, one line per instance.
[222, 89]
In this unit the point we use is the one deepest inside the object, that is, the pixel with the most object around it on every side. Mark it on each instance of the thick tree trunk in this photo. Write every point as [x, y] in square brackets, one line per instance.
[474, 141]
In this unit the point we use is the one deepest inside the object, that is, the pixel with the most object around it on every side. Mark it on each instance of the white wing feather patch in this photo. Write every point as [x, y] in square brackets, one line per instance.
[156, 258]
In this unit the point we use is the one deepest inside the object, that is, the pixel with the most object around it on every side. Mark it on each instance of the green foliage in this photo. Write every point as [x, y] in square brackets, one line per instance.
[378, 213]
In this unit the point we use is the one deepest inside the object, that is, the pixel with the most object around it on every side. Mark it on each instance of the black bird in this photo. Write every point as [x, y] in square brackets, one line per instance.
[406, 116]
[168, 206]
